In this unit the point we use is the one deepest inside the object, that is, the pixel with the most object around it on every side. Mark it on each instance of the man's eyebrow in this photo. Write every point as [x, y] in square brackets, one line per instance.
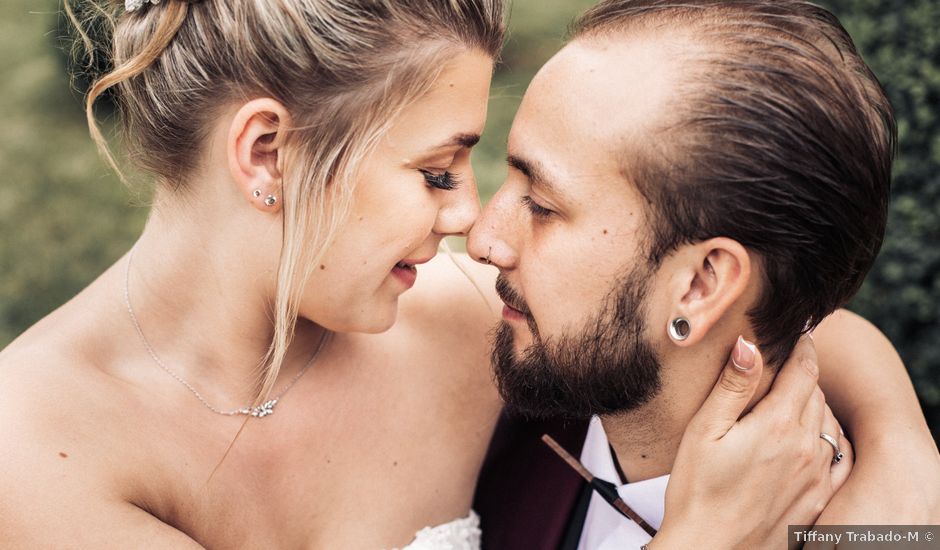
[462, 140]
[536, 174]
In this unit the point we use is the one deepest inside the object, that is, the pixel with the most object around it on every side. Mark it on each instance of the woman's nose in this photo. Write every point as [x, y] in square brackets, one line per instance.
[460, 213]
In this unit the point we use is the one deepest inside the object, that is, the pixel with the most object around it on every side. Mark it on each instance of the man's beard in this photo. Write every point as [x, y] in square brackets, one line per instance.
[607, 367]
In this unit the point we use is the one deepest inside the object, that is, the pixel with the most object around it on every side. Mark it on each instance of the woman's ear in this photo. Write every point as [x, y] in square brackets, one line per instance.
[255, 150]
[711, 277]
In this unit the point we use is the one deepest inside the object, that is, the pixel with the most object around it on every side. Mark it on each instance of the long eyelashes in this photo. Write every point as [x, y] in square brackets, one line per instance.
[444, 180]
[537, 210]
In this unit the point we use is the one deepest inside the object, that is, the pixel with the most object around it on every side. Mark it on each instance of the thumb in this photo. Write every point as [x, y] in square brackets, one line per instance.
[733, 391]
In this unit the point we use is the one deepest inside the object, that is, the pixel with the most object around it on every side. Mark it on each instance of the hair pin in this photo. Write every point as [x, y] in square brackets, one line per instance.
[134, 5]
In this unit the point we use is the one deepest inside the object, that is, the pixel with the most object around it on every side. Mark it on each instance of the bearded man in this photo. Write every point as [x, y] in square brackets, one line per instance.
[681, 173]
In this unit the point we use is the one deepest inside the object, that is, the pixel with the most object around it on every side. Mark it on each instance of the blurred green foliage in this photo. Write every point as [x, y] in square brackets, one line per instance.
[64, 216]
[901, 42]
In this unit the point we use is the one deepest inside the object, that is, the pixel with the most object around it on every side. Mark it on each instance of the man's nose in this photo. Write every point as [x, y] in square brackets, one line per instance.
[489, 240]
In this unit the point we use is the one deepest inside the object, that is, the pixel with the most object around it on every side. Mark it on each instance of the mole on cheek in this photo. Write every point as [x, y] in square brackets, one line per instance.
[605, 232]
[322, 266]
[63, 455]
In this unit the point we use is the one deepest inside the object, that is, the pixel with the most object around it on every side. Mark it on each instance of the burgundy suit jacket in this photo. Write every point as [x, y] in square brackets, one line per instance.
[527, 497]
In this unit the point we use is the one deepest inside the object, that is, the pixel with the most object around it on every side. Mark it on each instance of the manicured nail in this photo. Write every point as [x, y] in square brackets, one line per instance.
[744, 354]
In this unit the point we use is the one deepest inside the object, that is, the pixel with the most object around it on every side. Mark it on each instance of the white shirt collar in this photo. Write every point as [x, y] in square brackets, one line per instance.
[604, 527]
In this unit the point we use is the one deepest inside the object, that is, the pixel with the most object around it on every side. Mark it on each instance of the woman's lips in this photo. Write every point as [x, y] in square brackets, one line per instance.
[407, 275]
[407, 271]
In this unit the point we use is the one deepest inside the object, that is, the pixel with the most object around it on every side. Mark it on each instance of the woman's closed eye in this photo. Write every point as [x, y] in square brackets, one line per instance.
[445, 180]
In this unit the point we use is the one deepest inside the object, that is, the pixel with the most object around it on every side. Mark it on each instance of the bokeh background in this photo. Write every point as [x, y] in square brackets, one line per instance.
[64, 217]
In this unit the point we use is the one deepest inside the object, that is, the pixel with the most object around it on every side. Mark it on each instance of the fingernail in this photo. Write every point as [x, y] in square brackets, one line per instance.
[809, 331]
[743, 355]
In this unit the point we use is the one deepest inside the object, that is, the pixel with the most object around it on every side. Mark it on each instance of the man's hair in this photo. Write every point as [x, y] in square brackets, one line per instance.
[781, 138]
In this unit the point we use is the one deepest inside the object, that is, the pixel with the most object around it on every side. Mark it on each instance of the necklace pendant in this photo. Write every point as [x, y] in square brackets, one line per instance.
[264, 409]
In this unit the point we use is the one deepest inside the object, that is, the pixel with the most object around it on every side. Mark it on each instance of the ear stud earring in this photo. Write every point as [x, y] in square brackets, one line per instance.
[256, 193]
[270, 200]
[679, 329]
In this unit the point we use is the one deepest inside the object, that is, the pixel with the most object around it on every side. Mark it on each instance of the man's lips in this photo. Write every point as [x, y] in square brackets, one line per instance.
[512, 314]
[515, 309]
[521, 310]
[514, 306]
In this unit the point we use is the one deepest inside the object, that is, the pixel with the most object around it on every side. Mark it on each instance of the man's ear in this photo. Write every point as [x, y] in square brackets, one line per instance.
[255, 151]
[711, 277]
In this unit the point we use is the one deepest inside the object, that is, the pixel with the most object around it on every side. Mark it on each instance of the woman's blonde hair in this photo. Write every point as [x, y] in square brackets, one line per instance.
[342, 68]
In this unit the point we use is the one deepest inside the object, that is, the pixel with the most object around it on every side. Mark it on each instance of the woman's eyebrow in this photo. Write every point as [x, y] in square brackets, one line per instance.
[462, 140]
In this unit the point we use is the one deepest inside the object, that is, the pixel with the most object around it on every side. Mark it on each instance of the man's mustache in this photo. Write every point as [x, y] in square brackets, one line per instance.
[509, 295]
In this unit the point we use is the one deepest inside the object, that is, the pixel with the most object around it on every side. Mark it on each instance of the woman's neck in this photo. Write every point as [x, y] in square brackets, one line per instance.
[203, 304]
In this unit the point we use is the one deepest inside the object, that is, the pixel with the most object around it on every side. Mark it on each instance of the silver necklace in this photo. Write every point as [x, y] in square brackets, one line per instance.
[260, 411]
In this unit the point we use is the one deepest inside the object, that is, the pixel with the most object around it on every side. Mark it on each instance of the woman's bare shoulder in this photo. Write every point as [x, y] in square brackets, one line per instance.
[449, 315]
[57, 442]
[56, 391]
[63, 465]
[452, 305]
[46, 392]
[845, 336]
[456, 292]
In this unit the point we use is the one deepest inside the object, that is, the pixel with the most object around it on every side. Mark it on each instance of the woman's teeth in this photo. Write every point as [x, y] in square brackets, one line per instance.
[403, 265]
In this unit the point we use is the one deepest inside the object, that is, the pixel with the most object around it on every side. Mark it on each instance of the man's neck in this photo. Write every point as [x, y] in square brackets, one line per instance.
[647, 439]
[645, 442]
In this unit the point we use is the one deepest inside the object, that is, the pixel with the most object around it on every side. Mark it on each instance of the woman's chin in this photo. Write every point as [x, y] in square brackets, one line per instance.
[376, 328]
[375, 322]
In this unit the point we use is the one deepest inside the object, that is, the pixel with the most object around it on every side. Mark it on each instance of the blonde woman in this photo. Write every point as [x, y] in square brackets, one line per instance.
[265, 368]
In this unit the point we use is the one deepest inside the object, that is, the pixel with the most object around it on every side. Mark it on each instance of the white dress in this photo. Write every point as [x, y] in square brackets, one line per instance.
[460, 534]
